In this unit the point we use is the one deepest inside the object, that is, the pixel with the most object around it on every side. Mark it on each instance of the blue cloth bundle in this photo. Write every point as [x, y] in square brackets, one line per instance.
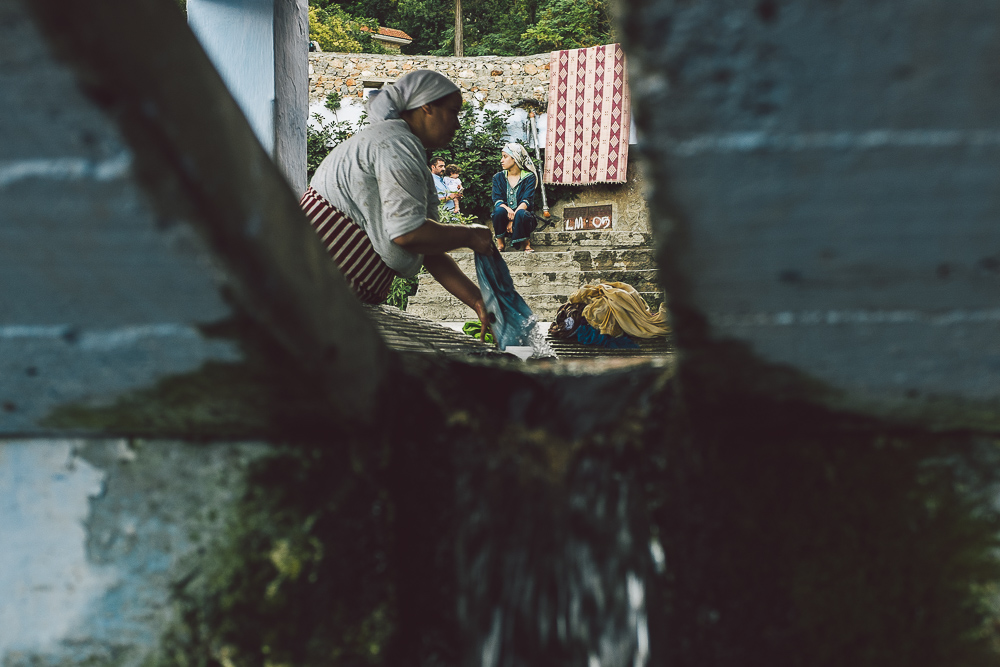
[588, 335]
[513, 319]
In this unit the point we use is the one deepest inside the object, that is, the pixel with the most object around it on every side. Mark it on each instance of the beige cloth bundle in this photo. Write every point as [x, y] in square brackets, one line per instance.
[617, 308]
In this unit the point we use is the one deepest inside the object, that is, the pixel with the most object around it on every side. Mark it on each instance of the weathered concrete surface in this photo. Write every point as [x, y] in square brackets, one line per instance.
[259, 49]
[100, 291]
[239, 37]
[824, 177]
[492, 512]
[291, 90]
[309, 368]
[629, 213]
[201, 163]
[823, 192]
[97, 533]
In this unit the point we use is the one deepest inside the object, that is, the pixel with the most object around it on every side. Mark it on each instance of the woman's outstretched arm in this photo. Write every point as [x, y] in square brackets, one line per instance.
[432, 238]
[446, 271]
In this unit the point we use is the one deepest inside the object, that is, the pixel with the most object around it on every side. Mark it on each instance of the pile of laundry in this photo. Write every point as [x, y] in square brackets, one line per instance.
[610, 315]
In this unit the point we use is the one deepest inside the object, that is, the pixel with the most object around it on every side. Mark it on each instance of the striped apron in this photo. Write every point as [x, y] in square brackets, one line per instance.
[350, 249]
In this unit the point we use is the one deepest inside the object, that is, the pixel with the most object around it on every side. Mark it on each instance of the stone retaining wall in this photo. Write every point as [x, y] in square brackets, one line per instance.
[629, 211]
[498, 80]
[495, 79]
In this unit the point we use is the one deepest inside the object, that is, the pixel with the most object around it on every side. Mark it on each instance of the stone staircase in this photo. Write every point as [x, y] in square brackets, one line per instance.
[561, 264]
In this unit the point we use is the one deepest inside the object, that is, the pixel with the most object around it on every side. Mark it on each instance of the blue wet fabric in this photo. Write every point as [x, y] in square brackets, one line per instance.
[588, 335]
[513, 319]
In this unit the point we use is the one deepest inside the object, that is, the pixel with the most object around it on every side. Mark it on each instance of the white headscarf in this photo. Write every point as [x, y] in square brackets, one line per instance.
[521, 157]
[411, 91]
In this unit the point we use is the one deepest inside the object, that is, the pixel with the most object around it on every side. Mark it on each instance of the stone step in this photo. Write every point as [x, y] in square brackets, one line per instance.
[446, 308]
[591, 238]
[557, 238]
[556, 282]
[591, 259]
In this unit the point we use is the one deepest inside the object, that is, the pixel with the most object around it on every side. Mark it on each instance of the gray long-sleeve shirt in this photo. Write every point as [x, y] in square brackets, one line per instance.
[379, 177]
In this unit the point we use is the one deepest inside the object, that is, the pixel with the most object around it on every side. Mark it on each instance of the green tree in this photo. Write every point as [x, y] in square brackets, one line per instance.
[336, 30]
[569, 24]
[426, 23]
[489, 27]
[476, 150]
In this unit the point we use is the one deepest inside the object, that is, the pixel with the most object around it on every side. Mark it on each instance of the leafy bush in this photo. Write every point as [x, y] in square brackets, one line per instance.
[451, 218]
[332, 101]
[476, 150]
[401, 291]
[321, 139]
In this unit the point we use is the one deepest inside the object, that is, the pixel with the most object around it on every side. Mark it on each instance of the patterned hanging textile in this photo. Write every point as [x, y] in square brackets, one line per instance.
[587, 130]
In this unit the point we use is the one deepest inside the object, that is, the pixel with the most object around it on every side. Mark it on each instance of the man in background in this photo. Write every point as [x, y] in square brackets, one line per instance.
[437, 169]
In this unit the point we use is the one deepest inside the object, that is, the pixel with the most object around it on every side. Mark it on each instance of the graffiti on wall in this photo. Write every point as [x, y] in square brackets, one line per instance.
[587, 217]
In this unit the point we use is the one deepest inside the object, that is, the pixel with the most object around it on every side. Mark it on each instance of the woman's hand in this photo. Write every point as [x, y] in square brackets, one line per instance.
[510, 214]
[510, 227]
[484, 319]
[481, 240]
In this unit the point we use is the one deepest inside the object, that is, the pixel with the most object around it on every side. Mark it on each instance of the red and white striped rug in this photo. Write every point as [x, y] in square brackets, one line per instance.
[586, 135]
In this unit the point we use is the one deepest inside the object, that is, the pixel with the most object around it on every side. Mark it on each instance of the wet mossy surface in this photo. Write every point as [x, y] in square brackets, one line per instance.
[349, 550]
[301, 576]
[792, 534]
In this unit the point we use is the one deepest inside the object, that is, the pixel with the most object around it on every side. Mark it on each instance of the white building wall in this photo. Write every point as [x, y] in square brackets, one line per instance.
[238, 36]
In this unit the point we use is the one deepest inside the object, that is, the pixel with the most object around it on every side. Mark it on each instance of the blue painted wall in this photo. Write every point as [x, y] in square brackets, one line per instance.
[238, 36]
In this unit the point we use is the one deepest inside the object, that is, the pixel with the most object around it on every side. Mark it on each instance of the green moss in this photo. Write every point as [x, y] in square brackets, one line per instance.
[795, 535]
[299, 577]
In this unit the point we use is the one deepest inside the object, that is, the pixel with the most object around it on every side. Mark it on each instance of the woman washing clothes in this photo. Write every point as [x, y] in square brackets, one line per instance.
[513, 199]
[373, 202]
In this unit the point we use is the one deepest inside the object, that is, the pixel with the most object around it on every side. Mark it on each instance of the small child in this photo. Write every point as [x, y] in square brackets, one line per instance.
[451, 173]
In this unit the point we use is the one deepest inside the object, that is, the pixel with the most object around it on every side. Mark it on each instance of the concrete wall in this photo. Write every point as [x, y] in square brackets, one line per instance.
[825, 177]
[90, 562]
[239, 38]
[291, 66]
[260, 49]
[731, 512]
[630, 212]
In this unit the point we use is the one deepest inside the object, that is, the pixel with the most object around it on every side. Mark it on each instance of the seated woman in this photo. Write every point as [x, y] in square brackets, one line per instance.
[373, 202]
[513, 198]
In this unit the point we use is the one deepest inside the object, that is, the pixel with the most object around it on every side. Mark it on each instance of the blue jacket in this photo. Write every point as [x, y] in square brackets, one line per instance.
[442, 191]
[525, 190]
